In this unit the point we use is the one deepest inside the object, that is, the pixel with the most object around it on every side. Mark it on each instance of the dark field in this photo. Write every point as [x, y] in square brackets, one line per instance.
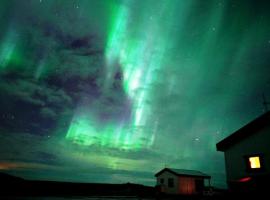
[20, 189]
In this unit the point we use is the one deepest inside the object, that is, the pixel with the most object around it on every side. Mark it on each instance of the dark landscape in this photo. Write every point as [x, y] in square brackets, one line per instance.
[17, 188]
[14, 186]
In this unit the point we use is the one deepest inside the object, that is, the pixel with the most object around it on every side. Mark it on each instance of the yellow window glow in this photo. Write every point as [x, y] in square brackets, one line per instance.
[254, 162]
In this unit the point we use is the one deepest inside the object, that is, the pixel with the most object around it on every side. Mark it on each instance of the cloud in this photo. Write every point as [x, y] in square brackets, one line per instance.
[33, 92]
[48, 113]
[39, 157]
[27, 100]
[25, 146]
[23, 166]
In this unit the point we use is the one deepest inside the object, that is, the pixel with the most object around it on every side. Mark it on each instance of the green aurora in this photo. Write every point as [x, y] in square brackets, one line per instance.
[114, 90]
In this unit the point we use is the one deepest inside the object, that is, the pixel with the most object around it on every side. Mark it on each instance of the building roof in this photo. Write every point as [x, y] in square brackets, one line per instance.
[184, 172]
[249, 129]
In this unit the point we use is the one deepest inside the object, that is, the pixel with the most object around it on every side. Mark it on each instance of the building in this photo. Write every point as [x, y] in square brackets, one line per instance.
[180, 181]
[247, 156]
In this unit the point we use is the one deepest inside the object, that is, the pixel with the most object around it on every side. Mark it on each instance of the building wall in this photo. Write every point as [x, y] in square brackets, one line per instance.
[165, 188]
[235, 162]
[182, 185]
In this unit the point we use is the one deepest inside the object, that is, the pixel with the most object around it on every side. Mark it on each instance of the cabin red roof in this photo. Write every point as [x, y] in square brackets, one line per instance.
[249, 129]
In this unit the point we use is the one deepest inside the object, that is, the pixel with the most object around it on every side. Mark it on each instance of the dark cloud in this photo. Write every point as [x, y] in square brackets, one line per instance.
[46, 158]
[25, 100]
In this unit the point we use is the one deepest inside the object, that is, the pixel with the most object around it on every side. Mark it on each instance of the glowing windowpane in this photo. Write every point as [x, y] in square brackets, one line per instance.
[254, 162]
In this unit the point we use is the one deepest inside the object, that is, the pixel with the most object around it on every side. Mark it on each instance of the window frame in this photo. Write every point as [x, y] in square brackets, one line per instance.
[248, 165]
[171, 182]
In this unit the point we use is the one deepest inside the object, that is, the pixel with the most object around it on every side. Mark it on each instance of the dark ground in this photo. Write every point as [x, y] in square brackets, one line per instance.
[19, 189]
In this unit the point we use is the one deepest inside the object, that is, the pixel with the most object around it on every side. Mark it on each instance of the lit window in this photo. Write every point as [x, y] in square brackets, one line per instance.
[254, 162]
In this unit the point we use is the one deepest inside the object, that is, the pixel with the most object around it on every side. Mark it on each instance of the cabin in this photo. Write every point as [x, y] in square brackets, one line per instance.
[181, 181]
[247, 156]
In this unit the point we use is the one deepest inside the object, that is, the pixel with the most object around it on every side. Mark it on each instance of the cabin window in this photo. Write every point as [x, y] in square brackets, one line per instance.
[162, 181]
[170, 182]
[254, 162]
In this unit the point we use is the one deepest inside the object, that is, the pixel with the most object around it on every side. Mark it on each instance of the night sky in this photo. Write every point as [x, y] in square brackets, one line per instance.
[115, 90]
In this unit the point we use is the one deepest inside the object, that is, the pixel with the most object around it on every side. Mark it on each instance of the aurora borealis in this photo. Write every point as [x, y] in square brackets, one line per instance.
[114, 90]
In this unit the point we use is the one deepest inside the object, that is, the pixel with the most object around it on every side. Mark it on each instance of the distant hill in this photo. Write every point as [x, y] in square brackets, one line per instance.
[9, 178]
[15, 186]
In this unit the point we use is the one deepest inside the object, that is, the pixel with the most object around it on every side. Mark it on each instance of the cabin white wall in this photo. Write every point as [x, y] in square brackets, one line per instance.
[165, 176]
[258, 143]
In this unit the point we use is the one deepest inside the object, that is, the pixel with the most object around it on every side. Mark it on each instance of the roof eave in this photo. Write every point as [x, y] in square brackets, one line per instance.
[244, 132]
[177, 174]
